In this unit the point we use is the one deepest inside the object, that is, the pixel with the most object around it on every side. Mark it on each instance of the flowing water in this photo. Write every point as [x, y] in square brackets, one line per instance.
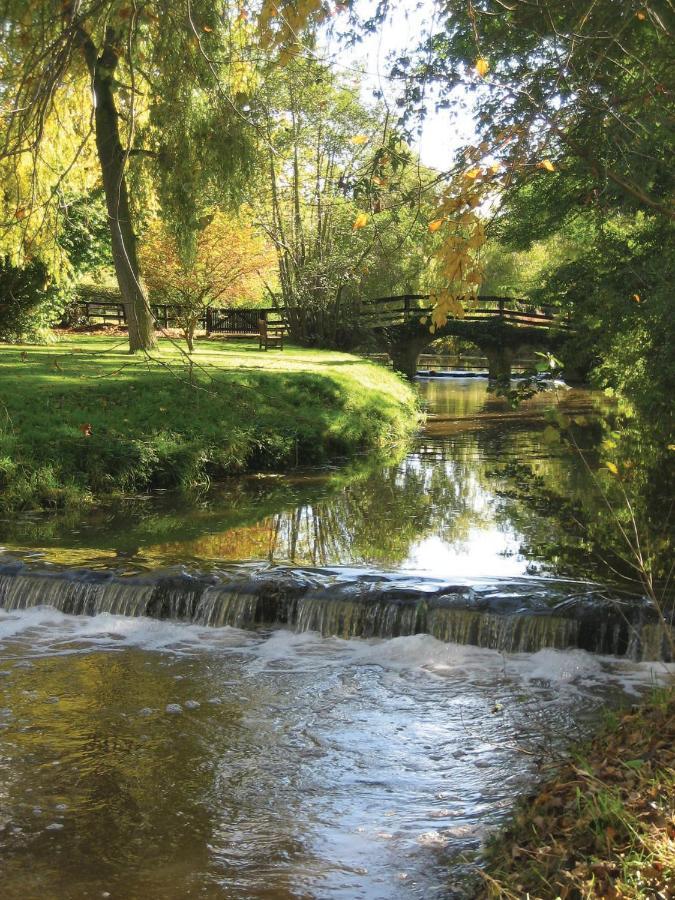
[325, 685]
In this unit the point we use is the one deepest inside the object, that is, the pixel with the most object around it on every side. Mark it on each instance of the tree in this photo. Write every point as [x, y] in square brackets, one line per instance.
[228, 265]
[345, 202]
[130, 69]
[584, 86]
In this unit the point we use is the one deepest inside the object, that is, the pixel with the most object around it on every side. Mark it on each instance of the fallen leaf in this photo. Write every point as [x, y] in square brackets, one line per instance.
[85, 428]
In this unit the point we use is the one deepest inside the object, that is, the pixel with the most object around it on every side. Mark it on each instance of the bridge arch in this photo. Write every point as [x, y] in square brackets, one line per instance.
[500, 327]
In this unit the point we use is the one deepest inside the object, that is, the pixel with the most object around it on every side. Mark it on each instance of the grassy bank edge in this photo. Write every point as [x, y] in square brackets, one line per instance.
[81, 420]
[603, 825]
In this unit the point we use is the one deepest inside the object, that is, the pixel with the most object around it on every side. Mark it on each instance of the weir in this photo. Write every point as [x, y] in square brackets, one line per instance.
[511, 619]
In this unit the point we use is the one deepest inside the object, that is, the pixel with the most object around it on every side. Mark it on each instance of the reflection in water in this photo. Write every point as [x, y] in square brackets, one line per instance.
[441, 511]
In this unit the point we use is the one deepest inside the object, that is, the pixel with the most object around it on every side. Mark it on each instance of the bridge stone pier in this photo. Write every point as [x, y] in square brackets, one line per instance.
[500, 327]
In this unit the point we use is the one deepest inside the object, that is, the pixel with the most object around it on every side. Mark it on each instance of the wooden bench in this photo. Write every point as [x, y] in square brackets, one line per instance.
[269, 337]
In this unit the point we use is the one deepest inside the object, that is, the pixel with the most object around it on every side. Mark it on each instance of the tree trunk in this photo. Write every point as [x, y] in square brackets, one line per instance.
[112, 158]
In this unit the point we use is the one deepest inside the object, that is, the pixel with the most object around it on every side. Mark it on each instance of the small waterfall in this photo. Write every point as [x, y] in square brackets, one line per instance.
[348, 607]
[511, 633]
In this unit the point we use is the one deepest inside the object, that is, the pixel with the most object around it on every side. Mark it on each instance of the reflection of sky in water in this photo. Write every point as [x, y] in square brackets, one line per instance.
[485, 552]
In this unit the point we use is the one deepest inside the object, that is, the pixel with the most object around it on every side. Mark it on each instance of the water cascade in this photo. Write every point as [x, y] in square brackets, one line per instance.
[520, 616]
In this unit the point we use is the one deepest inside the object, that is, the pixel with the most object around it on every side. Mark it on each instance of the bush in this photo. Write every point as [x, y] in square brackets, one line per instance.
[29, 301]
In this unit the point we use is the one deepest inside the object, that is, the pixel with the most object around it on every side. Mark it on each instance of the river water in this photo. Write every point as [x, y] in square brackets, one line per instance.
[145, 757]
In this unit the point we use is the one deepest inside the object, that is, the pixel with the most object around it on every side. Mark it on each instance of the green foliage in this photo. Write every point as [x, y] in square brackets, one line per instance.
[619, 291]
[84, 235]
[30, 301]
[346, 206]
[584, 87]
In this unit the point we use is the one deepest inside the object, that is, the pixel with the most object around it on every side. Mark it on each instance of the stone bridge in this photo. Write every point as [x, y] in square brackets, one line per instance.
[500, 327]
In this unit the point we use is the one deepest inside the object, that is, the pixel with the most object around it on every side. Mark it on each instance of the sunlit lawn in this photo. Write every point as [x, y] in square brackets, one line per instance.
[85, 412]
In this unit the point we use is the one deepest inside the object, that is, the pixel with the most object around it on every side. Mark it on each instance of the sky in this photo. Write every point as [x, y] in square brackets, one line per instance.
[443, 131]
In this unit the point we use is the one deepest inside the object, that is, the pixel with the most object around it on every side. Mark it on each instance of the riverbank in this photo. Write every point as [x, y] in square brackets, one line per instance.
[604, 824]
[82, 419]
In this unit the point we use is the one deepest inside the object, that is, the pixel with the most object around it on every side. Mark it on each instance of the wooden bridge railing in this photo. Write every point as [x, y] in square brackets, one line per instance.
[388, 311]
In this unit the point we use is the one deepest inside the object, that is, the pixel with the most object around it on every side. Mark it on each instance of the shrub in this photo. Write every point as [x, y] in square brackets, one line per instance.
[29, 301]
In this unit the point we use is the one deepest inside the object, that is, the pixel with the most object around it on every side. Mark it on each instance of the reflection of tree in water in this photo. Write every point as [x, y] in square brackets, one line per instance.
[575, 515]
[479, 466]
[440, 490]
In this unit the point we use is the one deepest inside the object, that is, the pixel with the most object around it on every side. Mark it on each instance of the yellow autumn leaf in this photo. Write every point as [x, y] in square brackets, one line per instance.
[360, 221]
[612, 468]
[546, 164]
[641, 16]
[360, 139]
[435, 225]
[636, 298]
[472, 174]
[495, 169]
[482, 67]
[671, 446]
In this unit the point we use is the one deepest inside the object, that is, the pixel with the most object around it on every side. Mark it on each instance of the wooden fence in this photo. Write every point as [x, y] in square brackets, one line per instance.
[229, 321]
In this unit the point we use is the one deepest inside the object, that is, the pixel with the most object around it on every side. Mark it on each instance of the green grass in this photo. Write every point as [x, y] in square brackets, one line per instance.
[156, 423]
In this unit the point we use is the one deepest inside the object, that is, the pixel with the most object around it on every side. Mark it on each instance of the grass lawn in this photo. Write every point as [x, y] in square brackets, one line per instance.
[82, 418]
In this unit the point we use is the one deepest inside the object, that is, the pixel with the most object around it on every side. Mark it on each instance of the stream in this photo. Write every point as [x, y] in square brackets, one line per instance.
[323, 685]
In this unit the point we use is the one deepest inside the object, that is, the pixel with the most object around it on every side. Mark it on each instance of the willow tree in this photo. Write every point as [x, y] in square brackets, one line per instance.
[160, 84]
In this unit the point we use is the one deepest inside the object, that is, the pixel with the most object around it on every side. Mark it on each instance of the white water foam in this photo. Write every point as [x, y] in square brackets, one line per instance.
[42, 630]
[49, 630]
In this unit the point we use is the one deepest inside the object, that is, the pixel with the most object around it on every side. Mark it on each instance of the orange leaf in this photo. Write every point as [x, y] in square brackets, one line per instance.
[546, 164]
[435, 225]
[360, 221]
